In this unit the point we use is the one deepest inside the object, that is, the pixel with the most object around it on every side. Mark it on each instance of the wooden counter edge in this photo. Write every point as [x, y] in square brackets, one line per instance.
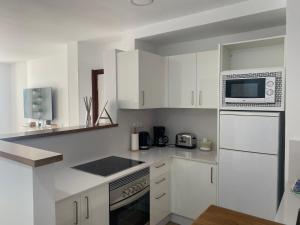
[31, 162]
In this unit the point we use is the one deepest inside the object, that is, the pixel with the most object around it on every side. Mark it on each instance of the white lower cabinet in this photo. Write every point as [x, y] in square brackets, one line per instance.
[194, 187]
[160, 193]
[88, 208]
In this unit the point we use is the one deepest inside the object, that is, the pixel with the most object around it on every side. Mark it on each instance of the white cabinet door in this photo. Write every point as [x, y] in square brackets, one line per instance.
[182, 81]
[68, 211]
[89, 208]
[128, 80]
[151, 78]
[193, 187]
[207, 79]
[141, 80]
[248, 182]
[250, 131]
[95, 206]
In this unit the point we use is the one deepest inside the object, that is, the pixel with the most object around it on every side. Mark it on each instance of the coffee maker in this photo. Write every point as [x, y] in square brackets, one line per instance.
[144, 140]
[160, 139]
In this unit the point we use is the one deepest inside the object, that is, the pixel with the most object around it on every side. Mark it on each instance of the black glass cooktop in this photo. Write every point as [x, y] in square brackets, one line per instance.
[108, 166]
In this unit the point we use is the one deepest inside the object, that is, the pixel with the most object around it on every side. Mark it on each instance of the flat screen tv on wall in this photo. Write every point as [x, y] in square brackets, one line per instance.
[38, 103]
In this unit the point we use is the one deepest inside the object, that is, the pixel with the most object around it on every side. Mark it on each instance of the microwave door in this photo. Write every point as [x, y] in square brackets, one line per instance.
[245, 90]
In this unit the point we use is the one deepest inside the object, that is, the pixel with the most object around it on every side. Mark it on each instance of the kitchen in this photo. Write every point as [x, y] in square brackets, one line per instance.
[183, 88]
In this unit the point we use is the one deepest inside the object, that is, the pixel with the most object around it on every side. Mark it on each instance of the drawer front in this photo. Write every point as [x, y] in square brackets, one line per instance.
[160, 204]
[160, 183]
[159, 168]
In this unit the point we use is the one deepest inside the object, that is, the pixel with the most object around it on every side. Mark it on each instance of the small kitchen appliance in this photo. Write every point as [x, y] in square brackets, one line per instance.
[186, 140]
[259, 89]
[205, 145]
[160, 139]
[144, 140]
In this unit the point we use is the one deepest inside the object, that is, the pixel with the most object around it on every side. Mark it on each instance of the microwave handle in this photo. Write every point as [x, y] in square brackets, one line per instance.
[129, 200]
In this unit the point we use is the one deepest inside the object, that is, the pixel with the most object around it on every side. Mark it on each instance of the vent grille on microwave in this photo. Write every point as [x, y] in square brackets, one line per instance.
[278, 90]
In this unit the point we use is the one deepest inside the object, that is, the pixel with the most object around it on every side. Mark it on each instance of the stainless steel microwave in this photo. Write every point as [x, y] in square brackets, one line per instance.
[253, 89]
[250, 90]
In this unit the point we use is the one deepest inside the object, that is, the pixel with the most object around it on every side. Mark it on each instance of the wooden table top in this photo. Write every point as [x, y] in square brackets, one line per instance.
[215, 215]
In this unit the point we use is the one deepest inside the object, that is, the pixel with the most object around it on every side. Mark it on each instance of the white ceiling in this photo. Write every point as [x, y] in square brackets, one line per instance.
[29, 25]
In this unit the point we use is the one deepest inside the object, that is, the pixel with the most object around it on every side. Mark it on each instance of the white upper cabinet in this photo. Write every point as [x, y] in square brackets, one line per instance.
[146, 80]
[182, 81]
[207, 79]
[141, 77]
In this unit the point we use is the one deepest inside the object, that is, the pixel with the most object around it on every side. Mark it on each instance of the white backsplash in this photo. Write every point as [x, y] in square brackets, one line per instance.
[201, 122]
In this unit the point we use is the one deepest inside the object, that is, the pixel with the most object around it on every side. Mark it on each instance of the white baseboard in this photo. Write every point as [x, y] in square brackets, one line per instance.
[181, 220]
[165, 220]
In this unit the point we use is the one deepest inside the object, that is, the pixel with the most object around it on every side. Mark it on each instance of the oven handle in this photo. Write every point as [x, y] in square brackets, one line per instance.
[129, 200]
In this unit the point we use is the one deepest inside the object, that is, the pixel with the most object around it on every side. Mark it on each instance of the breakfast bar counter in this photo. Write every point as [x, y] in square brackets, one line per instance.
[27, 155]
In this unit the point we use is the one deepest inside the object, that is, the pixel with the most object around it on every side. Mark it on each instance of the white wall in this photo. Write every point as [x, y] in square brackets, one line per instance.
[89, 58]
[212, 43]
[89, 145]
[93, 54]
[5, 98]
[110, 83]
[292, 81]
[52, 71]
[19, 82]
[73, 84]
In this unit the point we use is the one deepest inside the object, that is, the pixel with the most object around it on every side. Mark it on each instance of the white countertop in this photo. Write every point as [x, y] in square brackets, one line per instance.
[288, 210]
[69, 181]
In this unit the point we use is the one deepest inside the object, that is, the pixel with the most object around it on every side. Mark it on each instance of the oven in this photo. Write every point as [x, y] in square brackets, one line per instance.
[129, 199]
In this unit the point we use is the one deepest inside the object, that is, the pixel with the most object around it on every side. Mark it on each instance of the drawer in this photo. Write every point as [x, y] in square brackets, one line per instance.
[160, 206]
[159, 168]
[161, 182]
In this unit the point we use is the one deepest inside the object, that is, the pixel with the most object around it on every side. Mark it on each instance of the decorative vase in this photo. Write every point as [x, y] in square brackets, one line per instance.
[88, 121]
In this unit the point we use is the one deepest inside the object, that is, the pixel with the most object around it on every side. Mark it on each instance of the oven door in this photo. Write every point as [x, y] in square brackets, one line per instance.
[134, 210]
[245, 90]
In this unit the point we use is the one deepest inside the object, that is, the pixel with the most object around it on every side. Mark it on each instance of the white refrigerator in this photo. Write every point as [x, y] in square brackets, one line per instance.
[250, 162]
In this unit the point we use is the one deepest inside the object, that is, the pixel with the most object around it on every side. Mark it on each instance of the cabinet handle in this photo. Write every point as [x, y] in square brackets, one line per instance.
[87, 207]
[143, 98]
[76, 212]
[159, 166]
[192, 99]
[160, 181]
[211, 175]
[200, 97]
[160, 196]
